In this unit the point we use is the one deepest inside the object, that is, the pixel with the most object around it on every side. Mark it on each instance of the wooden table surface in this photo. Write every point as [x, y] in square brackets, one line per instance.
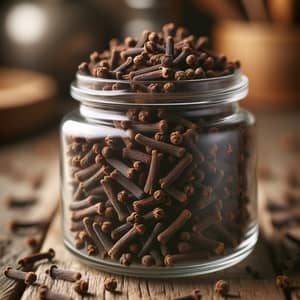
[21, 163]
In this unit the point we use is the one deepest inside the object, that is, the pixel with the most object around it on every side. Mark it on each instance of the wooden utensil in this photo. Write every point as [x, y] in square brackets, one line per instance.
[282, 11]
[270, 58]
[255, 9]
[220, 9]
[27, 102]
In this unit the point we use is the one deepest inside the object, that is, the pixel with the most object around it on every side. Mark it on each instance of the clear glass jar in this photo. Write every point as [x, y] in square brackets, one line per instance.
[159, 184]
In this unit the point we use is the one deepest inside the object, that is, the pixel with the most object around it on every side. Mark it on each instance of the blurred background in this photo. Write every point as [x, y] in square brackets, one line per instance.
[43, 41]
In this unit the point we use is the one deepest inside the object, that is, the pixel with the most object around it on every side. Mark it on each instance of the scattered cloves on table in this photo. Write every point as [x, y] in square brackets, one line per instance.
[110, 284]
[68, 275]
[24, 226]
[194, 295]
[283, 282]
[27, 277]
[46, 294]
[34, 241]
[222, 288]
[81, 287]
[20, 202]
[36, 257]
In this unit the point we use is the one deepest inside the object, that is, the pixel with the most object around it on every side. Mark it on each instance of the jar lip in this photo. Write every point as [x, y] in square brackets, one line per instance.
[208, 91]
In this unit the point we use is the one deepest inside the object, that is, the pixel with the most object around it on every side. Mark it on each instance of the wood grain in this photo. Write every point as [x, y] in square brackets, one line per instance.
[282, 12]
[274, 155]
[19, 164]
[133, 288]
[273, 135]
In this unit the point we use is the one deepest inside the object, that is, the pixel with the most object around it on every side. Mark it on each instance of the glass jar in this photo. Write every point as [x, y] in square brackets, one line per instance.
[159, 184]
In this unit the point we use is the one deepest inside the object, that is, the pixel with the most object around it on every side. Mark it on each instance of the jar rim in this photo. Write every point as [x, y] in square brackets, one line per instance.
[207, 91]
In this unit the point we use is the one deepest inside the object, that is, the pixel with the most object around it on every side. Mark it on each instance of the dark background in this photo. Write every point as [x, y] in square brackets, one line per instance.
[53, 37]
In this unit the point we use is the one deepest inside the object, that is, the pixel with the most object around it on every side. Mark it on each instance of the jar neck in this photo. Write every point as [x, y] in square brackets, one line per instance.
[112, 112]
[110, 99]
[207, 92]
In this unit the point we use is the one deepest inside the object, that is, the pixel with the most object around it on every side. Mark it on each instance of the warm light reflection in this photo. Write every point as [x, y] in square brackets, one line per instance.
[25, 23]
[140, 4]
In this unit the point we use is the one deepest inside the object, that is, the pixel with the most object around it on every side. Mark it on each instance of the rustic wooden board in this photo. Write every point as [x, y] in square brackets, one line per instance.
[133, 288]
[274, 155]
[19, 164]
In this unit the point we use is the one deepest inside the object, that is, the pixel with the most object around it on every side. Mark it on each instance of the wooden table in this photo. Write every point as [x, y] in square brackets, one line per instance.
[22, 162]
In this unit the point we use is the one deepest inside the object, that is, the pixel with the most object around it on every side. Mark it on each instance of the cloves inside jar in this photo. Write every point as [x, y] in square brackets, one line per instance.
[158, 162]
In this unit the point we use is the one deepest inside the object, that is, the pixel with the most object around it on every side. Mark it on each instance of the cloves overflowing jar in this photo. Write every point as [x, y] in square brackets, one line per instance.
[158, 163]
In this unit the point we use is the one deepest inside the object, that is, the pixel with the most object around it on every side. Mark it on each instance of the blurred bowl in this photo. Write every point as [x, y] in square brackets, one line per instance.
[270, 57]
[52, 37]
[27, 102]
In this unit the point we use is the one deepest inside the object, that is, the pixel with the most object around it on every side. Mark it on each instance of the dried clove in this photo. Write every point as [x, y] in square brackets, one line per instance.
[46, 294]
[127, 184]
[152, 174]
[20, 202]
[110, 284]
[19, 226]
[137, 229]
[221, 287]
[194, 295]
[164, 147]
[67, 275]
[151, 239]
[28, 277]
[147, 260]
[126, 259]
[121, 211]
[183, 217]
[81, 287]
[36, 257]
[176, 171]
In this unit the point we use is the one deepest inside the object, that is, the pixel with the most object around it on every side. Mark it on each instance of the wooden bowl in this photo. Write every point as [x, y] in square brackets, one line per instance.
[270, 57]
[27, 102]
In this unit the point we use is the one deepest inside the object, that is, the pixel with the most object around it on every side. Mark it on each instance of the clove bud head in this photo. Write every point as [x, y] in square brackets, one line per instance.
[221, 287]
[283, 281]
[110, 284]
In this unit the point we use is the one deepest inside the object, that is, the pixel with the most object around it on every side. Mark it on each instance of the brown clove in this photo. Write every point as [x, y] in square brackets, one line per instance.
[27, 277]
[36, 257]
[58, 273]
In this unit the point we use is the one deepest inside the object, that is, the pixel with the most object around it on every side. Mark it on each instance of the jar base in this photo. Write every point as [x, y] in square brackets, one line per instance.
[180, 271]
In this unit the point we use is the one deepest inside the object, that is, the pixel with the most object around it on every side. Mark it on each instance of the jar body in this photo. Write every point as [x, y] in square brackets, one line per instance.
[169, 190]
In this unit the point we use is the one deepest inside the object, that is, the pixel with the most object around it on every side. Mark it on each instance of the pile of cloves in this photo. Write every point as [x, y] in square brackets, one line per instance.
[168, 56]
[163, 190]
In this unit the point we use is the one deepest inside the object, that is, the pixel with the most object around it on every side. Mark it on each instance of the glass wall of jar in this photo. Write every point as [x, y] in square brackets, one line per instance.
[159, 184]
